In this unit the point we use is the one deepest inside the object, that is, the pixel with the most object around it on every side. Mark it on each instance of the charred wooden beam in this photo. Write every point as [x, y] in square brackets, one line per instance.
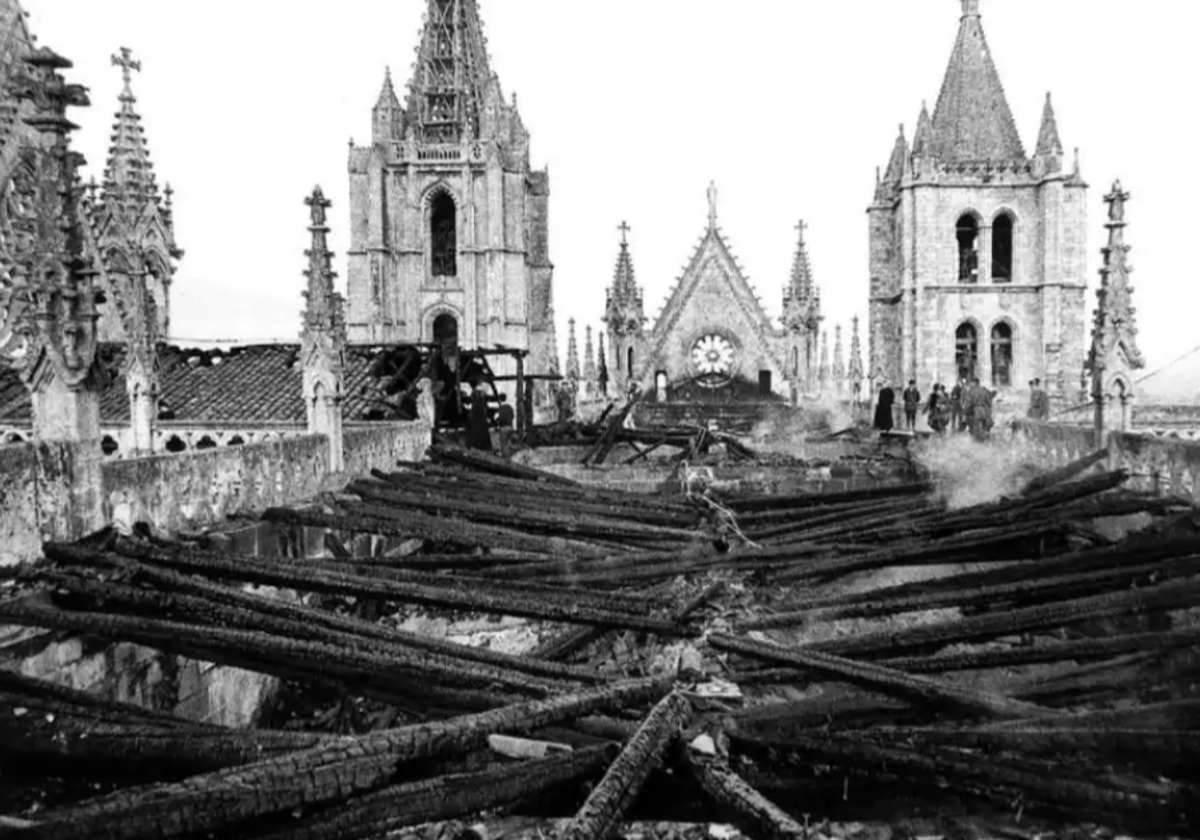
[219, 802]
[612, 797]
[758, 816]
[1072, 470]
[443, 798]
[879, 678]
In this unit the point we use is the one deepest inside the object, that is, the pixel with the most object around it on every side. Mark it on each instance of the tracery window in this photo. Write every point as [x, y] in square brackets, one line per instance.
[967, 232]
[1002, 249]
[966, 351]
[443, 236]
[1002, 355]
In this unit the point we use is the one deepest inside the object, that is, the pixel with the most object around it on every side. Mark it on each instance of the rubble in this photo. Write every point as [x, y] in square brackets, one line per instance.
[621, 666]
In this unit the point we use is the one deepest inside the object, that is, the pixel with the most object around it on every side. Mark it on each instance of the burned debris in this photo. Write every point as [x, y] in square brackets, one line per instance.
[868, 655]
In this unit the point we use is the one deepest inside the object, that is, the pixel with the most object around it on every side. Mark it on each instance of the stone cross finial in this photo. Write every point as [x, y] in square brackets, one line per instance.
[1116, 203]
[624, 228]
[712, 204]
[802, 226]
[318, 204]
[127, 64]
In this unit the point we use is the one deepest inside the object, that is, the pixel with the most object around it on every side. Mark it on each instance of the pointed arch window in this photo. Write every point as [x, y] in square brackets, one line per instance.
[629, 369]
[967, 232]
[966, 351]
[1002, 355]
[443, 235]
[1002, 249]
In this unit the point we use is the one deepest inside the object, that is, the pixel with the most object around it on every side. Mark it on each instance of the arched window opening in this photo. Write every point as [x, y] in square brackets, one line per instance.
[443, 235]
[968, 249]
[795, 361]
[1002, 355]
[236, 440]
[445, 331]
[629, 371]
[109, 446]
[966, 352]
[206, 443]
[14, 438]
[1002, 249]
[175, 445]
[660, 386]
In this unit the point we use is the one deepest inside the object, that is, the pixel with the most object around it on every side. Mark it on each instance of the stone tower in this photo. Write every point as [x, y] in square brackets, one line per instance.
[449, 223]
[978, 251]
[1115, 354]
[802, 323]
[134, 227]
[625, 320]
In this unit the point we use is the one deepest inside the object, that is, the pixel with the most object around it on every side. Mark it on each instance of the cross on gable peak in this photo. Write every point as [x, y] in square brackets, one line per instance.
[127, 64]
[624, 228]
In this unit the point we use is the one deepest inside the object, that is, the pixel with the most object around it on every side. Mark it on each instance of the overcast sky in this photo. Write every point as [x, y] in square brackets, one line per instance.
[635, 105]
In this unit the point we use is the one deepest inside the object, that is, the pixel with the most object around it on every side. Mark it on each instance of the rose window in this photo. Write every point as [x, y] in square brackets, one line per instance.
[713, 356]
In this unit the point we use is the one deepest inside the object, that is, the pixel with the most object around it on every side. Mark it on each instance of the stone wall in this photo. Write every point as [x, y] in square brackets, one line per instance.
[47, 492]
[1157, 465]
[380, 446]
[187, 491]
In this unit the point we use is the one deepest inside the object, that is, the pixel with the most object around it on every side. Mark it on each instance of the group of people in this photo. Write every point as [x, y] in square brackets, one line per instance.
[967, 407]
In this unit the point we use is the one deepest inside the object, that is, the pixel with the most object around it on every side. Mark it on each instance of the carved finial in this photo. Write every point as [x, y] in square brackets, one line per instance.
[92, 187]
[624, 228]
[970, 8]
[802, 226]
[712, 205]
[169, 192]
[318, 204]
[1116, 204]
[128, 65]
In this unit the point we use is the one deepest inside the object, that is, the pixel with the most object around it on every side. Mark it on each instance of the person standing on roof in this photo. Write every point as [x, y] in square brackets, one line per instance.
[912, 404]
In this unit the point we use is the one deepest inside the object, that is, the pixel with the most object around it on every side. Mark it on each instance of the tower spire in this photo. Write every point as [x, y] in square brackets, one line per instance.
[972, 120]
[839, 361]
[1114, 352]
[589, 358]
[856, 374]
[573, 373]
[801, 288]
[129, 174]
[447, 92]
[323, 336]
[1049, 144]
[712, 205]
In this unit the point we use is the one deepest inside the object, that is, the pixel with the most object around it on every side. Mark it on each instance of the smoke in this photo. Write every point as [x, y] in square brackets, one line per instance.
[968, 473]
[788, 430]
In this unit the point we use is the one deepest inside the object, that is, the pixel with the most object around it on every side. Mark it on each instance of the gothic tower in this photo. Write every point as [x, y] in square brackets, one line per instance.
[449, 223]
[802, 322]
[625, 320]
[133, 226]
[978, 251]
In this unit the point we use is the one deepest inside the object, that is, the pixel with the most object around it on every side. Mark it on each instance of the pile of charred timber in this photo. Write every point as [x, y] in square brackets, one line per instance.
[1034, 673]
[675, 443]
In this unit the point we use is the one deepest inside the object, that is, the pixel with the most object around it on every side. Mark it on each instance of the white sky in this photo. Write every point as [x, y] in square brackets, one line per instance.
[635, 105]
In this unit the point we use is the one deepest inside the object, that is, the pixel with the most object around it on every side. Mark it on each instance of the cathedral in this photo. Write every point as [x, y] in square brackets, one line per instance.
[713, 341]
[448, 220]
[978, 253]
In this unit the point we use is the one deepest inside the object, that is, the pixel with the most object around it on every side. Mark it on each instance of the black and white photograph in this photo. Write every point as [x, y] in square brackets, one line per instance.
[639, 420]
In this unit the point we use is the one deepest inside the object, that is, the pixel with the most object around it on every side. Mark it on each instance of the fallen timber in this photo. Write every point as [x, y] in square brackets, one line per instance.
[1062, 644]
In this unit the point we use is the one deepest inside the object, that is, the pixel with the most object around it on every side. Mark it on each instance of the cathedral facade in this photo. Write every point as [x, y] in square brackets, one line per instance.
[449, 222]
[978, 254]
[713, 340]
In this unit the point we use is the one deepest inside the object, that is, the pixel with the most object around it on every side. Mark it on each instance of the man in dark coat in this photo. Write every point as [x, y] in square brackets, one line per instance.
[478, 435]
[883, 409]
[1039, 402]
[912, 404]
[505, 420]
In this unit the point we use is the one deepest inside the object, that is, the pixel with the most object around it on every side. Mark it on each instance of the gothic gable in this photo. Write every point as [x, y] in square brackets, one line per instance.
[712, 298]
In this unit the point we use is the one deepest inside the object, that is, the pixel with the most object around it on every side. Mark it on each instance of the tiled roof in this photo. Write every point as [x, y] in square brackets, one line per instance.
[251, 384]
[972, 121]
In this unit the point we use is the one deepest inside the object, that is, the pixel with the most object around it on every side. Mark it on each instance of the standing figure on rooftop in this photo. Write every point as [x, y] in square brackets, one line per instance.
[1039, 402]
[505, 421]
[478, 435]
[956, 406]
[938, 409]
[883, 409]
[912, 403]
[977, 407]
